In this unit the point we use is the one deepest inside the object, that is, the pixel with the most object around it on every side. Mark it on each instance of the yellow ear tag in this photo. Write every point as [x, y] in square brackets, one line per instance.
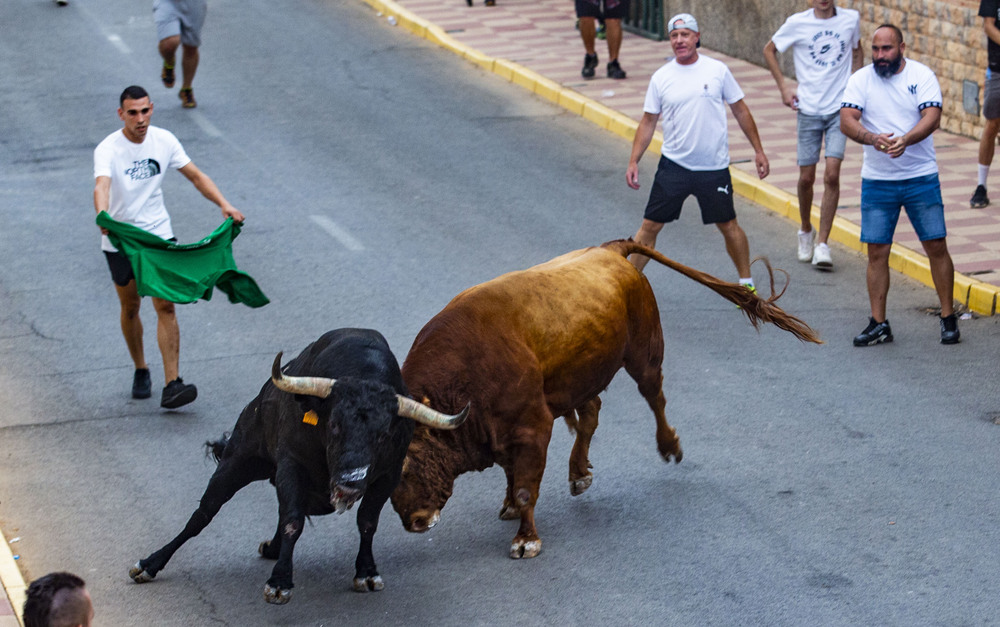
[310, 418]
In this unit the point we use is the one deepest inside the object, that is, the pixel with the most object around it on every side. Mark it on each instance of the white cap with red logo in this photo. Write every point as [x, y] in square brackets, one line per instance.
[682, 20]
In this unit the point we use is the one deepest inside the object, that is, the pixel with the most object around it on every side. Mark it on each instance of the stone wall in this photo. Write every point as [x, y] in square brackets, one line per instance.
[946, 35]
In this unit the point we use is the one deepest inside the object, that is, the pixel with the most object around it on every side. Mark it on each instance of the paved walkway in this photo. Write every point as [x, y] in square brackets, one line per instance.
[534, 43]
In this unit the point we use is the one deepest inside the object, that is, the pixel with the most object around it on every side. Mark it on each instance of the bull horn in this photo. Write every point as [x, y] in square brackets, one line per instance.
[310, 386]
[409, 408]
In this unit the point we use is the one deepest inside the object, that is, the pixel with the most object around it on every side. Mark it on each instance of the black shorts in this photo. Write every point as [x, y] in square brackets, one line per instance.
[673, 184]
[602, 9]
[121, 268]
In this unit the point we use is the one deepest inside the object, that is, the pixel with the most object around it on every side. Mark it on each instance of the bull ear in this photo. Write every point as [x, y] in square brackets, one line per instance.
[309, 386]
[409, 408]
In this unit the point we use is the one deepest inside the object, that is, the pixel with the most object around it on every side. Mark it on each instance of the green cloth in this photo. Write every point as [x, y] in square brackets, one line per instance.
[183, 273]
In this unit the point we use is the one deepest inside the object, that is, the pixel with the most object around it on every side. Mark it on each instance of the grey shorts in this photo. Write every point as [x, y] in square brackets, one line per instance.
[812, 129]
[180, 17]
[991, 96]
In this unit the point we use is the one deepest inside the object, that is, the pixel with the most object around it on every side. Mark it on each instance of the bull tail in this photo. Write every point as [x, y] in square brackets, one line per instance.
[755, 308]
[216, 448]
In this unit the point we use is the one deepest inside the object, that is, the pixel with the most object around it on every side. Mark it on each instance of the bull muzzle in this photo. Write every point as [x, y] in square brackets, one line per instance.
[347, 489]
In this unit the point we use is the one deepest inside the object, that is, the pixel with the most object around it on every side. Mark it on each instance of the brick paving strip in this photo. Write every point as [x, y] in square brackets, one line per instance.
[534, 44]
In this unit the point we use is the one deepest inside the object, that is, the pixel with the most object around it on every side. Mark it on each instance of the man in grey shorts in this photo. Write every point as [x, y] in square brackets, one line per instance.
[826, 47]
[989, 10]
[178, 23]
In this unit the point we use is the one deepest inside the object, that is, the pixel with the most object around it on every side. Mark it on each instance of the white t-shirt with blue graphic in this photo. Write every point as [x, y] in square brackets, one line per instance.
[136, 172]
[822, 50]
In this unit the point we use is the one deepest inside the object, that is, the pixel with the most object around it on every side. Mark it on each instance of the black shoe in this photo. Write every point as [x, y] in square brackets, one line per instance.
[178, 393]
[949, 330]
[167, 76]
[589, 65]
[141, 387]
[874, 333]
[615, 70]
[979, 198]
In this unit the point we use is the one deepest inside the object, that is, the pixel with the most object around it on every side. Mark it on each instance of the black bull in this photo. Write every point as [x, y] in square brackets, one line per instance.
[332, 428]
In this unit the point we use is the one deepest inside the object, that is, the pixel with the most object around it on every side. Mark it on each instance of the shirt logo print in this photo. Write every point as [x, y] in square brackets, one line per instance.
[912, 89]
[144, 169]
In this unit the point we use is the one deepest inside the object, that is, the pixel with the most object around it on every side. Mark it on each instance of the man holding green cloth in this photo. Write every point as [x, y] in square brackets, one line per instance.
[128, 168]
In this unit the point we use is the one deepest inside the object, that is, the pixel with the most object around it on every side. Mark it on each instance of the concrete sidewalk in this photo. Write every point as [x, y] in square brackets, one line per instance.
[534, 44]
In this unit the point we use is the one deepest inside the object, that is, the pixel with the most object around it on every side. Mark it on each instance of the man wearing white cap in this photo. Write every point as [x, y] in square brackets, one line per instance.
[690, 93]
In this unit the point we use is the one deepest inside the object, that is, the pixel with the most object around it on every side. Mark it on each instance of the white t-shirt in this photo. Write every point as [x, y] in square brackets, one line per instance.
[691, 101]
[893, 105]
[136, 172]
[822, 50]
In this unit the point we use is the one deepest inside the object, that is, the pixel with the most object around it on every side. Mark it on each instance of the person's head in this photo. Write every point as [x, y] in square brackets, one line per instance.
[135, 109]
[685, 38]
[58, 600]
[824, 7]
[887, 50]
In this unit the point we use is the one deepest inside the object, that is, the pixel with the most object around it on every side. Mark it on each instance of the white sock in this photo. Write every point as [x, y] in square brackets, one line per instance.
[984, 173]
[748, 282]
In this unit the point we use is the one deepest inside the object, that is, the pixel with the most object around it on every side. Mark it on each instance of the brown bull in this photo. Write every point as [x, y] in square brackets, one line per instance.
[528, 347]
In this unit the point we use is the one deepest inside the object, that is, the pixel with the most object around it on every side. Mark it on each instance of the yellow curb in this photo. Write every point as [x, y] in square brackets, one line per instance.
[504, 68]
[979, 297]
[13, 581]
[983, 298]
[596, 113]
[548, 89]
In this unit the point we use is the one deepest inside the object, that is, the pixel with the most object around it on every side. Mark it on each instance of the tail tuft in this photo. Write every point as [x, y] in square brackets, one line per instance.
[755, 308]
[217, 448]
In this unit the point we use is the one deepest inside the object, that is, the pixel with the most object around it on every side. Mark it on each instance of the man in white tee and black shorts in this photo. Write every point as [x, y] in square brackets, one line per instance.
[826, 46]
[690, 93]
[892, 107]
[129, 165]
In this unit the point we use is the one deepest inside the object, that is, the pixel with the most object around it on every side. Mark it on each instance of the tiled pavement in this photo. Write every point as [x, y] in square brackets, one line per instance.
[534, 43]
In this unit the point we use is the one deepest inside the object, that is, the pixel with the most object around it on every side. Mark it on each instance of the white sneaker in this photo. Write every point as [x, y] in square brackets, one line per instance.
[806, 245]
[821, 257]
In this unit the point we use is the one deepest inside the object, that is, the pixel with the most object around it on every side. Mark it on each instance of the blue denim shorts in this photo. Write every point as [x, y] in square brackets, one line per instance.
[811, 131]
[882, 200]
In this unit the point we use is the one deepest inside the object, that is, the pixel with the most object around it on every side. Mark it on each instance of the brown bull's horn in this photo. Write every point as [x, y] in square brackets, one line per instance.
[409, 408]
[310, 386]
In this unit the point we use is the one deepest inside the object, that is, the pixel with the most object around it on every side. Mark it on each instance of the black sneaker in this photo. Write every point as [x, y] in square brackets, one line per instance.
[874, 333]
[949, 330]
[979, 198]
[167, 76]
[615, 70]
[178, 393]
[141, 387]
[589, 65]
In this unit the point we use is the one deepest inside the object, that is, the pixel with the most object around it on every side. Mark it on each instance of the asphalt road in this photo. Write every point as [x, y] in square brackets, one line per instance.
[821, 485]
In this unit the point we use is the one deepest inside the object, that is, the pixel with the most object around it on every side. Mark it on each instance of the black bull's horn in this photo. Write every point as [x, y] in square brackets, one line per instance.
[408, 408]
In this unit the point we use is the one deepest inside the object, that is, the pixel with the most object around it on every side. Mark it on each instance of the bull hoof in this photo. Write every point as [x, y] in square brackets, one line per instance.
[138, 574]
[525, 548]
[509, 512]
[368, 584]
[579, 486]
[265, 551]
[276, 596]
[673, 451]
